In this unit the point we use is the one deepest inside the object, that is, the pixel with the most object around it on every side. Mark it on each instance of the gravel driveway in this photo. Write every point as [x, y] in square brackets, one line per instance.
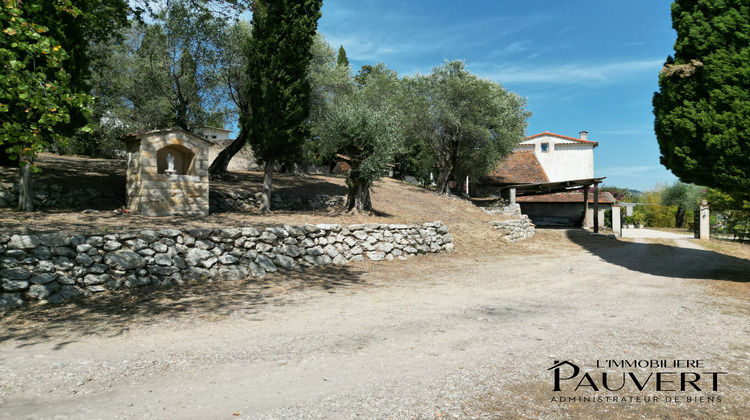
[434, 337]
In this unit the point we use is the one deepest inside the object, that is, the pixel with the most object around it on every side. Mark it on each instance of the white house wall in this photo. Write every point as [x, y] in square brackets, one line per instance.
[565, 159]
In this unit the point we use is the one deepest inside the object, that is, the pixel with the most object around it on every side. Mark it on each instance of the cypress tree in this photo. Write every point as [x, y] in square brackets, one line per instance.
[702, 108]
[278, 56]
[342, 61]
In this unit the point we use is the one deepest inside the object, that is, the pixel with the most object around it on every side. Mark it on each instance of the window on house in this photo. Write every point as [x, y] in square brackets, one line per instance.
[545, 147]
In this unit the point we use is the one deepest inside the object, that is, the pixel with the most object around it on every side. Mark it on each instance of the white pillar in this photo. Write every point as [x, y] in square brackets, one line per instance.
[705, 232]
[616, 221]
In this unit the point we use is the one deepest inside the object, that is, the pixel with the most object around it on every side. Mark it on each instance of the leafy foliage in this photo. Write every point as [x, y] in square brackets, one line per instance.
[364, 125]
[703, 106]
[732, 213]
[279, 53]
[464, 123]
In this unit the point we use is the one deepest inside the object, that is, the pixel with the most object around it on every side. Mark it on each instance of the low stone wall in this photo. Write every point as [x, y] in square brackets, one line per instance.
[56, 196]
[503, 208]
[55, 267]
[245, 201]
[515, 230]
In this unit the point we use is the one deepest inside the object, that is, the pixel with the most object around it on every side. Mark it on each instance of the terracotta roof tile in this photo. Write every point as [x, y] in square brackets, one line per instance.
[605, 197]
[520, 167]
[547, 133]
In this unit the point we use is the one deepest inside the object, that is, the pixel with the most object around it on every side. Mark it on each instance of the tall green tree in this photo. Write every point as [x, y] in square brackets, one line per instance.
[278, 57]
[365, 124]
[342, 60]
[702, 108]
[465, 123]
[45, 56]
[684, 196]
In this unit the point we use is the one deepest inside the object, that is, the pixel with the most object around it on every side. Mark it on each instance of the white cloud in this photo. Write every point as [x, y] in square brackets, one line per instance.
[574, 73]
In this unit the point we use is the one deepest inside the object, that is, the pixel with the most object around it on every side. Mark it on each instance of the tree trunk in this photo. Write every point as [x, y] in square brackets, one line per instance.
[679, 218]
[443, 181]
[219, 166]
[25, 201]
[358, 199]
[265, 199]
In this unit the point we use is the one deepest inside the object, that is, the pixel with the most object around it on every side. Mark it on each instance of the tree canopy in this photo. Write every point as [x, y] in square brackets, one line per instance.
[702, 108]
[279, 53]
[466, 124]
[45, 55]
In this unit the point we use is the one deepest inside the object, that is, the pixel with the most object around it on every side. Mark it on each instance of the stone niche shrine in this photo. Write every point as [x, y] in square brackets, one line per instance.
[167, 173]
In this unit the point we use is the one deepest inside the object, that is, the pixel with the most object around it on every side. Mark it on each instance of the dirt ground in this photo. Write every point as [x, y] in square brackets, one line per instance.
[467, 335]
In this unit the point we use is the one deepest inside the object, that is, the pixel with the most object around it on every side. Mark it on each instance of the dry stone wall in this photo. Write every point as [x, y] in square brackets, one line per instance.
[515, 230]
[57, 196]
[55, 267]
[246, 201]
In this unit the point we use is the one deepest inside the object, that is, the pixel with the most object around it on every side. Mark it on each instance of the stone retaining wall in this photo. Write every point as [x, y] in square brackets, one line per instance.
[515, 230]
[55, 267]
[245, 201]
[56, 196]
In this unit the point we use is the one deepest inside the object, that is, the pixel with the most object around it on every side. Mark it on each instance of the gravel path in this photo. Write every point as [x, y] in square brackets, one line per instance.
[472, 337]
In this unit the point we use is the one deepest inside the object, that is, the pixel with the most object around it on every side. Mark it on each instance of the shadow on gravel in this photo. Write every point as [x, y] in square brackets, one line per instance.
[113, 313]
[664, 260]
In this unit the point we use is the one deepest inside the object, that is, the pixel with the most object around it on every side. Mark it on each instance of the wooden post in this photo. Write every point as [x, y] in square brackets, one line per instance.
[596, 207]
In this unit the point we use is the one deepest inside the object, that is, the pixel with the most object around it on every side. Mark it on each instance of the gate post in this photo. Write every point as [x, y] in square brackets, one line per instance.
[705, 226]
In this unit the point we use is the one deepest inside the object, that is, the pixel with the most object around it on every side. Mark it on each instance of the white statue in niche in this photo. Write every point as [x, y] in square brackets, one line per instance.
[170, 165]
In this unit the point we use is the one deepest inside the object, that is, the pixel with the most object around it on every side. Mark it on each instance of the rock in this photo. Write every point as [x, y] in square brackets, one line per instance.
[136, 244]
[10, 300]
[163, 260]
[92, 279]
[256, 270]
[65, 251]
[233, 273]
[54, 239]
[124, 260]
[376, 255]
[339, 260]
[42, 291]
[15, 285]
[169, 233]
[209, 262]
[69, 291]
[321, 260]
[285, 262]
[147, 236]
[249, 232]
[95, 241]
[161, 271]
[204, 244]
[196, 273]
[159, 247]
[385, 247]
[44, 278]
[291, 250]
[98, 268]
[64, 279]
[449, 247]
[15, 273]
[84, 248]
[360, 234]
[228, 259]
[410, 250]
[315, 251]
[42, 252]
[23, 242]
[266, 264]
[331, 251]
[261, 247]
[268, 237]
[45, 266]
[112, 246]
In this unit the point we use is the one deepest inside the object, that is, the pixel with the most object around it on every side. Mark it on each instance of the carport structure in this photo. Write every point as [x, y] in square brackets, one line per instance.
[510, 192]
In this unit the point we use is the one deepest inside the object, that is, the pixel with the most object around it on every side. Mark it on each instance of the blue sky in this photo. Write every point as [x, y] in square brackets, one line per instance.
[582, 64]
